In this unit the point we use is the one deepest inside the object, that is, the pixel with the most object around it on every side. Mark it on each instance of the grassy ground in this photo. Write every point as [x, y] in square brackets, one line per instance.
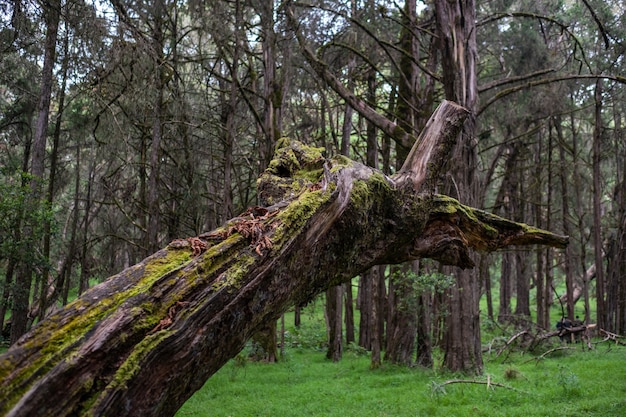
[572, 383]
[575, 384]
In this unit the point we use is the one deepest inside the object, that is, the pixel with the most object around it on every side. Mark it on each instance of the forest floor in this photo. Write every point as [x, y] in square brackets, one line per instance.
[569, 382]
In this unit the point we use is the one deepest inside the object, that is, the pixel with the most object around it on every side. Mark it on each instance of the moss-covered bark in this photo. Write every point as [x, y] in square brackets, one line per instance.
[143, 341]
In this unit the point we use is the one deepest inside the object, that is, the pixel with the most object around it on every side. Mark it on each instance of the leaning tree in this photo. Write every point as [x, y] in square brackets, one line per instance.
[143, 341]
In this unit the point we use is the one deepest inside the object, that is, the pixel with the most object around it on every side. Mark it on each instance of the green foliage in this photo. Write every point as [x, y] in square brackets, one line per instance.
[412, 285]
[425, 282]
[568, 381]
[18, 210]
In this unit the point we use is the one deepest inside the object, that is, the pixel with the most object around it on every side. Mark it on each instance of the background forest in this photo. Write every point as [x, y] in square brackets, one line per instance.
[125, 125]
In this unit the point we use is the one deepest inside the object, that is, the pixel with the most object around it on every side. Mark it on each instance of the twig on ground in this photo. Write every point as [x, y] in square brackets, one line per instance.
[614, 337]
[439, 388]
[543, 356]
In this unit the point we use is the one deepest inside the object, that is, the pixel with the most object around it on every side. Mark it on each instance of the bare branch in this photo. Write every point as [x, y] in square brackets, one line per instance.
[501, 94]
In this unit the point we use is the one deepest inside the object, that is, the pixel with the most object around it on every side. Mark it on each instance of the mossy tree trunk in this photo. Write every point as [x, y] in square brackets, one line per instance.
[142, 342]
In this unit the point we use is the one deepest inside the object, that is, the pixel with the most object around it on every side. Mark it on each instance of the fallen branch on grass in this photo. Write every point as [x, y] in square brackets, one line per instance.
[439, 388]
[511, 340]
[614, 337]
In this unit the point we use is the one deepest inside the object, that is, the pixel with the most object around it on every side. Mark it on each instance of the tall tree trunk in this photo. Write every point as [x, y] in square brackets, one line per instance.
[568, 261]
[85, 264]
[411, 103]
[504, 312]
[349, 303]
[543, 315]
[23, 281]
[486, 278]
[424, 339]
[365, 310]
[158, 120]
[522, 271]
[522, 304]
[597, 211]
[616, 257]
[46, 287]
[375, 360]
[402, 324]
[271, 90]
[456, 28]
[334, 304]
[548, 294]
[581, 210]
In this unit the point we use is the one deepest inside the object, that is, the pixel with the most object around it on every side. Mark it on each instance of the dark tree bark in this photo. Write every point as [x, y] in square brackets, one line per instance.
[365, 309]
[402, 325]
[568, 262]
[349, 302]
[424, 340]
[485, 277]
[414, 99]
[158, 120]
[522, 304]
[456, 30]
[143, 341]
[375, 325]
[543, 313]
[597, 211]
[23, 281]
[504, 312]
[334, 303]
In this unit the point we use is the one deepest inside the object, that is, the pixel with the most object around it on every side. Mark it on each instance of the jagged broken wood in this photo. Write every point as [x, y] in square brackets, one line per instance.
[143, 341]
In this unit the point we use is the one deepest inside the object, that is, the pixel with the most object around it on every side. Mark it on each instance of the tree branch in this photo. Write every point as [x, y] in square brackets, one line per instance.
[501, 94]
[390, 128]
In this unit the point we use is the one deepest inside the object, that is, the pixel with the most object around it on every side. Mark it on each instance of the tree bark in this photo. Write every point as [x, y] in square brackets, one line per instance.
[143, 341]
[568, 262]
[597, 211]
[403, 322]
[456, 31]
[23, 280]
[349, 303]
[334, 304]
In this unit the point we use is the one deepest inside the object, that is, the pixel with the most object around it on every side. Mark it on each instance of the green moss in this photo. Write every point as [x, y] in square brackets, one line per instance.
[297, 213]
[284, 163]
[62, 337]
[447, 205]
[282, 143]
[161, 266]
[232, 277]
[360, 195]
[300, 210]
[362, 191]
[339, 162]
[132, 364]
[217, 256]
[313, 176]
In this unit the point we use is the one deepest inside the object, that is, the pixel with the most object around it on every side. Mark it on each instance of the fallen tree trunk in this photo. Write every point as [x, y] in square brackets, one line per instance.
[142, 342]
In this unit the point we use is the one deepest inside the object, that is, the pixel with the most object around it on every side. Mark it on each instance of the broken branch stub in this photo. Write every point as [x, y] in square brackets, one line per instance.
[142, 342]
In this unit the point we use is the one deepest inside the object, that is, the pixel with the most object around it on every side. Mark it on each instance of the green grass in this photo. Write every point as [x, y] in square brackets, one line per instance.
[566, 383]
[575, 384]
